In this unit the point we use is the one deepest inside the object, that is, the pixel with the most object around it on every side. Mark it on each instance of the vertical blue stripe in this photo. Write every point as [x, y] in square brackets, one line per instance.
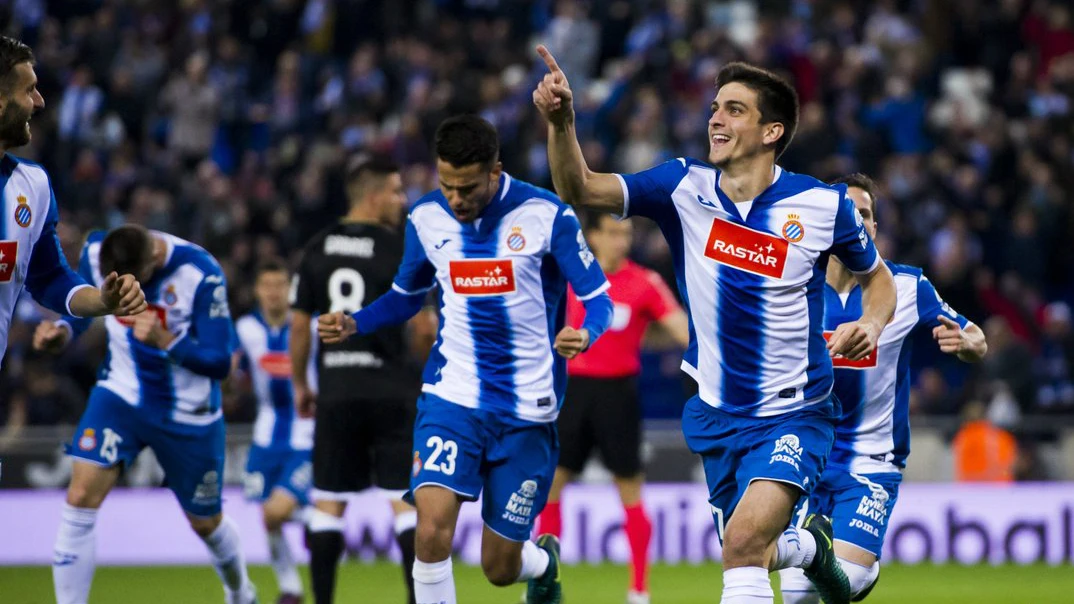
[818, 364]
[490, 329]
[740, 334]
[554, 288]
[901, 417]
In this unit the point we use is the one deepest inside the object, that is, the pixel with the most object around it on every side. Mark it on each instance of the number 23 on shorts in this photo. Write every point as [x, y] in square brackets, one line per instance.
[440, 458]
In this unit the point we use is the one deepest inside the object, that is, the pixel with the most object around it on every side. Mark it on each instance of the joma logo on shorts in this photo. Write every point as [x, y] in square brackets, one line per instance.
[788, 450]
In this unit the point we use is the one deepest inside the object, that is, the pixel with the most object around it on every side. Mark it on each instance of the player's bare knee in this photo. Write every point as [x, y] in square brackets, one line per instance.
[204, 526]
[432, 543]
[84, 496]
[273, 520]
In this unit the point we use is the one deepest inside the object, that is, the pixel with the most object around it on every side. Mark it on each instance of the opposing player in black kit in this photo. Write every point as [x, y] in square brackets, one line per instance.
[363, 408]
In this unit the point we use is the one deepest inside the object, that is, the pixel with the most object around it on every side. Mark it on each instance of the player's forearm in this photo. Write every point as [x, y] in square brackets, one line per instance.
[878, 297]
[575, 183]
[299, 346]
[86, 302]
[393, 308]
[977, 345]
[211, 359]
[598, 315]
[677, 325]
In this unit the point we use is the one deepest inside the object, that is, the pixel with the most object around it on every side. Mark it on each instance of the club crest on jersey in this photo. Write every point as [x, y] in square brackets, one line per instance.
[515, 241]
[170, 297]
[841, 362]
[88, 441]
[793, 230]
[746, 249]
[277, 365]
[491, 277]
[9, 257]
[23, 214]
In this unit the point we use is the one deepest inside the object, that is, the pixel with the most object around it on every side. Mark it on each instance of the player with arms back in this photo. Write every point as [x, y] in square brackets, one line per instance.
[502, 252]
[364, 408]
[159, 387]
[750, 243]
[30, 252]
[601, 407]
[278, 469]
[861, 481]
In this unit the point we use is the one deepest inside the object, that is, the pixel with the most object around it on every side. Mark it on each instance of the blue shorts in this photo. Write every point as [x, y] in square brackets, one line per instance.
[270, 469]
[112, 432]
[470, 450]
[736, 450]
[858, 504]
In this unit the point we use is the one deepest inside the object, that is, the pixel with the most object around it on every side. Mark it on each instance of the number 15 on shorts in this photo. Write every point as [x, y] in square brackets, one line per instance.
[440, 458]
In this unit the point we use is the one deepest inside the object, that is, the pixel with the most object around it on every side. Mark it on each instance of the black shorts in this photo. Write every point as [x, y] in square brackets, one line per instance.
[361, 443]
[602, 413]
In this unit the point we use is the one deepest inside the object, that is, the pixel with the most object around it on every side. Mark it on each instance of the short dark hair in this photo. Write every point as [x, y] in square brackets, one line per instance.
[366, 173]
[271, 265]
[464, 140]
[863, 182]
[776, 98]
[126, 250]
[12, 52]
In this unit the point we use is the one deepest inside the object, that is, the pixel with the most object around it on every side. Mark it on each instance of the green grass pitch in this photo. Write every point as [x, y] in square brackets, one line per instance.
[606, 584]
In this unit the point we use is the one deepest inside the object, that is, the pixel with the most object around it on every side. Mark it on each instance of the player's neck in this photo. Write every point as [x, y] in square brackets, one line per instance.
[610, 265]
[747, 178]
[275, 319]
[360, 214]
[839, 276]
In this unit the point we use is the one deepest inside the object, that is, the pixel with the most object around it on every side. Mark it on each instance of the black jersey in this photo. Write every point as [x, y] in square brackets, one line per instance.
[344, 268]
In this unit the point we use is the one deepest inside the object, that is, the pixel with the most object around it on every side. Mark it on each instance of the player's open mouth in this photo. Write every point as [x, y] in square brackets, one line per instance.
[720, 139]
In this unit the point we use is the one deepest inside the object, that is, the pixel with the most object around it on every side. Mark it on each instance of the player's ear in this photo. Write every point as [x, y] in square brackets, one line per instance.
[772, 132]
[495, 172]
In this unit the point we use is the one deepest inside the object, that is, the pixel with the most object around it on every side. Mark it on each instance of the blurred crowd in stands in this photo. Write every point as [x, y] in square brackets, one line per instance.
[229, 122]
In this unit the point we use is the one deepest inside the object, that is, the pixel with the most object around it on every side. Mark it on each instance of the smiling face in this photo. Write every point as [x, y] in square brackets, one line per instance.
[19, 103]
[468, 189]
[736, 131]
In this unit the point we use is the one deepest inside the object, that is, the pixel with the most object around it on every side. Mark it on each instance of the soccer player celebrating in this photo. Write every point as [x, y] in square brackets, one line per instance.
[602, 408]
[750, 243]
[159, 388]
[363, 433]
[860, 484]
[278, 469]
[30, 252]
[502, 252]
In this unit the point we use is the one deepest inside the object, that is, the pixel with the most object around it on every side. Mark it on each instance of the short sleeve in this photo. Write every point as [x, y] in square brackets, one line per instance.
[930, 306]
[851, 243]
[648, 193]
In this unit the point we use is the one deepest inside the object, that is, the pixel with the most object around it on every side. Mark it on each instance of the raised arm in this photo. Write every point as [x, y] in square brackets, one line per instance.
[575, 183]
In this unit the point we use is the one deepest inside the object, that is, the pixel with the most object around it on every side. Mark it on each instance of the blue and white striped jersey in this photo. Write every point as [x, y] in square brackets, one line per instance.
[30, 251]
[189, 294]
[503, 282]
[267, 360]
[873, 435]
[753, 284]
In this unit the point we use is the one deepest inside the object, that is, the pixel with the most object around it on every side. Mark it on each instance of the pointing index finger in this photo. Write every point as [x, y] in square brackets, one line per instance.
[549, 60]
[947, 321]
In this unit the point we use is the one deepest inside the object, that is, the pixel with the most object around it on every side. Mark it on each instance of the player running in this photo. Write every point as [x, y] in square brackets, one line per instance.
[364, 408]
[159, 387]
[861, 481]
[502, 252]
[278, 469]
[750, 242]
[30, 252]
[602, 409]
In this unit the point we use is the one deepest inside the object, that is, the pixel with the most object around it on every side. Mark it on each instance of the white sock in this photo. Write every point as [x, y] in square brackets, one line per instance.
[284, 564]
[860, 576]
[534, 562]
[795, 549]
[405, 521]
[796, 588]
[225, 549]
[73, 558]
[433, 583]
[747, 585]
[319, 521]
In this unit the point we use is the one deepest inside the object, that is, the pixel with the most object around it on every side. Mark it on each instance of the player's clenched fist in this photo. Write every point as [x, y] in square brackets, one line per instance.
[51, 337]
[553, 95]
[336, 327]
[949, 336]
[854, 340]
[122, 296]
[570, 342]
[147, 329]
